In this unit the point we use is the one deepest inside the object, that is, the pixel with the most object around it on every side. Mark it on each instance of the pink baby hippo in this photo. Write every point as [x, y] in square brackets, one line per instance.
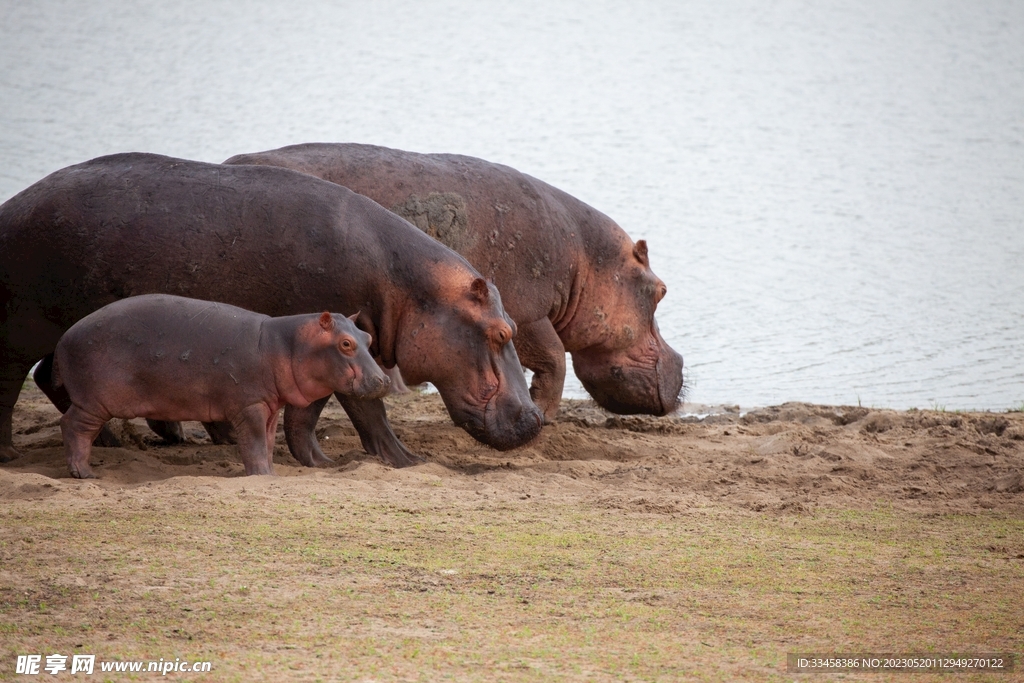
[166, 357]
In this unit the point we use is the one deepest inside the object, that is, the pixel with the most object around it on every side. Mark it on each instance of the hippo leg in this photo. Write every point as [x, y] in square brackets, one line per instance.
[251, 427]
[11, 381]
[541, 350]
[170, 432]
[299, 426]
[43, 377]
[272, 439]
[220, 433]
[398, 385]
[371, 421]
[79, 429]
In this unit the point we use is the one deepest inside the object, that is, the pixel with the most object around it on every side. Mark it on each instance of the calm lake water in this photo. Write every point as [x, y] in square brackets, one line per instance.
[833, 191]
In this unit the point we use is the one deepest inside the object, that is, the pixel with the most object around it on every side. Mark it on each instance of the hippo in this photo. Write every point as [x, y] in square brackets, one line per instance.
[569, 276]
[272, 241]
[168, 357]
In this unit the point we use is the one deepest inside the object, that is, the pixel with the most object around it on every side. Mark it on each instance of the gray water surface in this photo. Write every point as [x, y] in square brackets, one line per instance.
[833, 191]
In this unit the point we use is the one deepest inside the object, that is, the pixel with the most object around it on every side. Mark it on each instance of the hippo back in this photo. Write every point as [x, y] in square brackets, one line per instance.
[266, 239]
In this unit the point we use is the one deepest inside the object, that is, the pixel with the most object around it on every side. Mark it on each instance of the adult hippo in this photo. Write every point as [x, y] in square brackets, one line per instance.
[569, 276]
[272, 241]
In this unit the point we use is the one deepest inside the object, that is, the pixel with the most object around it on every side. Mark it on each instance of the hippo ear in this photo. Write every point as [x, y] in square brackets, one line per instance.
[479, 289]
[326, 321]
[354, 318]
[640, 251]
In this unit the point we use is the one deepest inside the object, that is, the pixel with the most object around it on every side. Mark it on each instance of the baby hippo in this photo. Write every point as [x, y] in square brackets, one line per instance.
[170, 358]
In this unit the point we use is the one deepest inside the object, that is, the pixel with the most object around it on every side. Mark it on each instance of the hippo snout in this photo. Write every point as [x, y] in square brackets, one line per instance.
[504, 424]
[375, 385]
[670, 381]
[519, 431]
[629, 386]
[509, 430]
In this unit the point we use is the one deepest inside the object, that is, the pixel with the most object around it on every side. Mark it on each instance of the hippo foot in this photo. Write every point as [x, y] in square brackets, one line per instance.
[397, 455]
[550, 411]
[84, 472]
[305, 449]
[546, 395]
[171, 432]
[107, 439]
[398, 386]
[221, 433]
[319, 459]
[308, 452]
[7, 454]
[370, 420]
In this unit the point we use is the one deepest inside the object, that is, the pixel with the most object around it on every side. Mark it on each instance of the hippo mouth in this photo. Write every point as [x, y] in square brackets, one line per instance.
[504, 423]
[371, 386]
[651, 384]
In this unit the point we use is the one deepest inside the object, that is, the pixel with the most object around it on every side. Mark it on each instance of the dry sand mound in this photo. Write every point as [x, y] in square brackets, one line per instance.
[790, 457]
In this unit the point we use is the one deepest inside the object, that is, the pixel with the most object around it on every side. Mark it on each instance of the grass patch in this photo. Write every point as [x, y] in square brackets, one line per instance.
[325, 589]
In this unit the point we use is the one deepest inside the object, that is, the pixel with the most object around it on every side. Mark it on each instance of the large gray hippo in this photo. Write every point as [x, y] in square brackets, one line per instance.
[569, 276]
[269, 240]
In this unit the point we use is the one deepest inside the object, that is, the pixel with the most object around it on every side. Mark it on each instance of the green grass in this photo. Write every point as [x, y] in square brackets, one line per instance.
[337, 589]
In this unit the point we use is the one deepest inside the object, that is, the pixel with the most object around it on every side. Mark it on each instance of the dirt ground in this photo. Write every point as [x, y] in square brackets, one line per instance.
[611, 548]
[791, 457]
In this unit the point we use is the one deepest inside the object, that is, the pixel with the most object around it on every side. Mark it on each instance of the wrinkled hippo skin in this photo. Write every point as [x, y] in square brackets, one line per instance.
[271, 241]
[171, 358]
[569, 276]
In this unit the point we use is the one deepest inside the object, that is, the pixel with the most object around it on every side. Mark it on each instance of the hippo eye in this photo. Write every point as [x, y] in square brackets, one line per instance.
[347, 345]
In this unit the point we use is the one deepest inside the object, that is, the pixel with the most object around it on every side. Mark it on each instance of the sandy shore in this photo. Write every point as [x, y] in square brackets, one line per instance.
[795, 456]
[612, 548]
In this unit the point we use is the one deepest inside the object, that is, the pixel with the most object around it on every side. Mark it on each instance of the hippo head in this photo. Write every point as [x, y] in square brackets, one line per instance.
[617, 352]
[461, 342]
[337, 357]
